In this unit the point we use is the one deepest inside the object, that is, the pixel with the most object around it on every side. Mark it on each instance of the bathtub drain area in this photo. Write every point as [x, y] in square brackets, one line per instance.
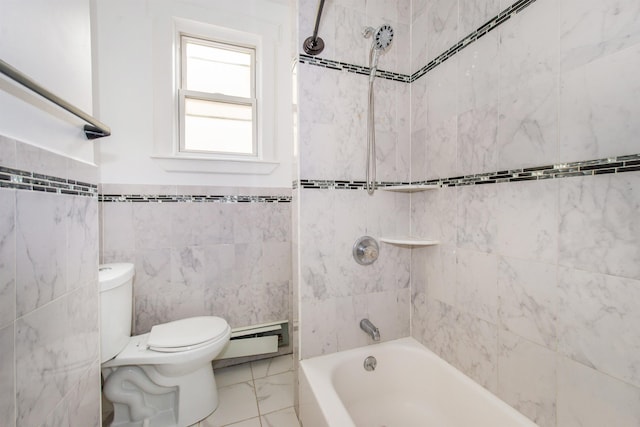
[370, 363]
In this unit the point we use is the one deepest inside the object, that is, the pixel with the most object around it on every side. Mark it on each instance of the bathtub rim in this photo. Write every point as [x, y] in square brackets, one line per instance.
[318, 376]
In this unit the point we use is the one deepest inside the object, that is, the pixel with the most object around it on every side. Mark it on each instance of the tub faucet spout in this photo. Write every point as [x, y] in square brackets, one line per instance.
[369, 328]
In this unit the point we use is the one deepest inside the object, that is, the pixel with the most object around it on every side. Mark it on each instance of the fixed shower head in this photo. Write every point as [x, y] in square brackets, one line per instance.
[383, 37]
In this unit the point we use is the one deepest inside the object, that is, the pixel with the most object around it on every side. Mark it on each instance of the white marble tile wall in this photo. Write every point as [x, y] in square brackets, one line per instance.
[553, 84]
[502, 297]
[226, 259]
[333, 125]
[597, 103]
[334, 291]
[546, 272]
[49, 325]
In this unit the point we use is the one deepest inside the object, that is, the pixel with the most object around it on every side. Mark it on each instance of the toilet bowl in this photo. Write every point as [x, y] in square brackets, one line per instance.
[161, 378]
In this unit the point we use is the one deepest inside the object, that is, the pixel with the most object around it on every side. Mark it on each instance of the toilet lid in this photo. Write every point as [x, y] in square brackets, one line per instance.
[186, 333]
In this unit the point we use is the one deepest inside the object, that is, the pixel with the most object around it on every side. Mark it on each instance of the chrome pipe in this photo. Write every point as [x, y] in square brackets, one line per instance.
[370, 184]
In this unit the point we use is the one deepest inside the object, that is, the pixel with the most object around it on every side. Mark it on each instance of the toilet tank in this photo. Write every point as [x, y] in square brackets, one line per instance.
[116, 298]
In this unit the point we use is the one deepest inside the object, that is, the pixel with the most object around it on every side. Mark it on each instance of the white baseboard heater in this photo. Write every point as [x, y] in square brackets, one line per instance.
[256, 339]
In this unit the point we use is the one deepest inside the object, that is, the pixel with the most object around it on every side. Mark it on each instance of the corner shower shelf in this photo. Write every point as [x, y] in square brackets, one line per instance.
[410, 188]
[409, 241]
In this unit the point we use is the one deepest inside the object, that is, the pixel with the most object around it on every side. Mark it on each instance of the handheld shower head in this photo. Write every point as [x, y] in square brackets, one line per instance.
[383, 37]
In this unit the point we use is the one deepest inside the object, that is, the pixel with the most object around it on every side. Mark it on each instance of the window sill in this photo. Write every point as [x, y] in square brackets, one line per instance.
[221, 166]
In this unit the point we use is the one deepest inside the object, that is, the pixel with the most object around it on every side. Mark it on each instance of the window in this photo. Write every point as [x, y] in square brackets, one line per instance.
[217, 95]
[252, 46]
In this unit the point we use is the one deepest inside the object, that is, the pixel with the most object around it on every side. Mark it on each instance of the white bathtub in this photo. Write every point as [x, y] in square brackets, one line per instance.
[410, 387]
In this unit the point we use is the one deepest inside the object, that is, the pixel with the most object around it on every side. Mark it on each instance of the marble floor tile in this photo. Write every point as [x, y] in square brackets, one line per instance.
[237, 403]
[283, 418]
[272, 366]
[255, 394]
[233, 375]
[253, 422]
[274, 392]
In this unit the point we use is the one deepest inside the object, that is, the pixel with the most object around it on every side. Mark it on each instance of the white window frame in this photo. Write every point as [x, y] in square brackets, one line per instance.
[184, 93]
[264, 28]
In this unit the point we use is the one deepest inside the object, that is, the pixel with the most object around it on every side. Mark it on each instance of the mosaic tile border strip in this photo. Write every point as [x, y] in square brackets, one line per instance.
[620, 164]
[491, 25]
[30, 181]
[134, 198]
[351, 68]
[340, 185]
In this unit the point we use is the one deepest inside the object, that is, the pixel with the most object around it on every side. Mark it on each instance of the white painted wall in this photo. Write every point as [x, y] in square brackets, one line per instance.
[51, 43]
[134, 48]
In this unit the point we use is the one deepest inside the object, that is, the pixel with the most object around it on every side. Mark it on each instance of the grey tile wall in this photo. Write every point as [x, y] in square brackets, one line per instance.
[546, 271]
[548, 259]
[223, 252]
[49, 326]
[524, 292]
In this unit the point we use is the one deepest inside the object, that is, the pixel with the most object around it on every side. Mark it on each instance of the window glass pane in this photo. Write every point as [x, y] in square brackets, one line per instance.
[217, 70]
[218, 127]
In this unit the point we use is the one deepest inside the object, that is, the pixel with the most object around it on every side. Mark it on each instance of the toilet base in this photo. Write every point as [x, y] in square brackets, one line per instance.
[140, 394]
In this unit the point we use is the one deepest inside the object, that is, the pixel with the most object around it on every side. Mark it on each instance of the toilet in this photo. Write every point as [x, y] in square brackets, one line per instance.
[162, 378]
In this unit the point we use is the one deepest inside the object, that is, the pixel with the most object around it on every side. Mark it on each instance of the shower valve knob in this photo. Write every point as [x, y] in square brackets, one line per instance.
[365, 250]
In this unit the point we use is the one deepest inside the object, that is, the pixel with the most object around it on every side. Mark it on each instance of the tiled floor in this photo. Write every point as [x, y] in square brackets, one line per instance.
[255, 394]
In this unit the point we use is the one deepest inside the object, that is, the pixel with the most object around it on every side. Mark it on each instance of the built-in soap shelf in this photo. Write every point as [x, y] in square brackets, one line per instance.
[410, 188]
[409, 241]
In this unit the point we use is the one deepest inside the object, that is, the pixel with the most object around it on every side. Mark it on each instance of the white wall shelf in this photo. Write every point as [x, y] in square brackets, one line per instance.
[409, 241]
[410, 188]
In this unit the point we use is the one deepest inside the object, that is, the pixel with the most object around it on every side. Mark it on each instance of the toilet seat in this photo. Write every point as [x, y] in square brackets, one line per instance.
[186, 334]
[137, 351]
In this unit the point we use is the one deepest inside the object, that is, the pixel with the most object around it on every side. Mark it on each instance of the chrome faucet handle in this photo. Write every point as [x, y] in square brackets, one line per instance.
[365, 250]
